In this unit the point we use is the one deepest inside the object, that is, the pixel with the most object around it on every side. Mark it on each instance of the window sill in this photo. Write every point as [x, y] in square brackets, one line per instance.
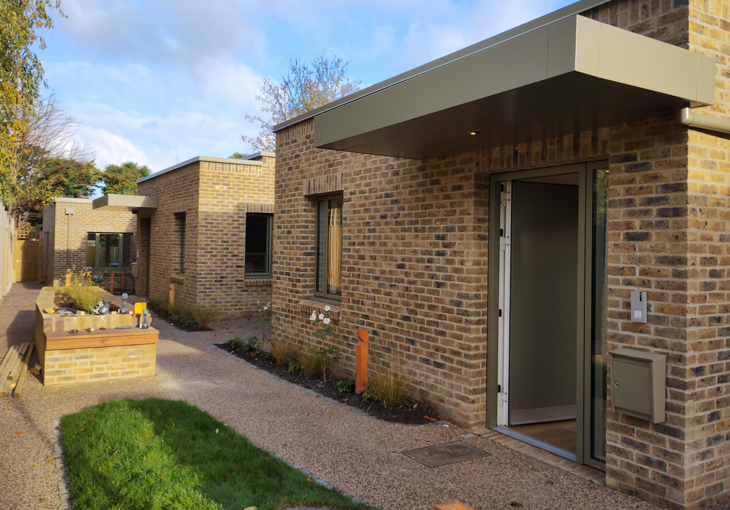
[314, 305]
[263, 281]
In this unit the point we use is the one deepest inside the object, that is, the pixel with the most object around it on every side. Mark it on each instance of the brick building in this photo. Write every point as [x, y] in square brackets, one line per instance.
[210, 234]
[75, 234]
[489, 216]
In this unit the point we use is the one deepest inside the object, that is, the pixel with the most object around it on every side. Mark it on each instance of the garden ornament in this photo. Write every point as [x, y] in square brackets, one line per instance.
[123, 309]
[145, 316]
[101, 308]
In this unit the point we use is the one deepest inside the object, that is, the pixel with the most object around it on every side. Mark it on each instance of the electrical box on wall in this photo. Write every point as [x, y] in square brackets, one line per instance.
[638, 384]
[135, 269]
[638, 306]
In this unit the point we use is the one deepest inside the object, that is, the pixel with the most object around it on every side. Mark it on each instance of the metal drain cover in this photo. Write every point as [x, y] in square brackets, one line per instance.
[444, 454]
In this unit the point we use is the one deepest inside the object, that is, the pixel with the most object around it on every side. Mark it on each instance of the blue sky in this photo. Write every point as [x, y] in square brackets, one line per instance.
[161, 81]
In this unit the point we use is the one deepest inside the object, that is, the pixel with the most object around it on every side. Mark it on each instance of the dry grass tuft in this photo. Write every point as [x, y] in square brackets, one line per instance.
[86, 297]
[283, 352]
[310, 364]
[205, 314]
[387, 386]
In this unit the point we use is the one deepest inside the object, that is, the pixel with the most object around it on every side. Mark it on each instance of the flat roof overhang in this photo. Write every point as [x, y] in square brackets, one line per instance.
[129, 201]
[570, 76]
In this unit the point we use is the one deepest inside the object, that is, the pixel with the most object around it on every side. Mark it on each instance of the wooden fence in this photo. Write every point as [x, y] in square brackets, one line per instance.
[7, 235]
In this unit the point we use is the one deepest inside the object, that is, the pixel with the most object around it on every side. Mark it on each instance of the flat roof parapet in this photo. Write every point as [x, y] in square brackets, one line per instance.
[210, 159]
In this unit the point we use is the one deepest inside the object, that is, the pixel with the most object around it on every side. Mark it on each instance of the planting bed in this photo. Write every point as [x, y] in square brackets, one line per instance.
[409, 412]
[177, 321]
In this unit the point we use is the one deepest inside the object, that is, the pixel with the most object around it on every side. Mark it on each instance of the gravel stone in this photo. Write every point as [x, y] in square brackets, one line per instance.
[357, 454]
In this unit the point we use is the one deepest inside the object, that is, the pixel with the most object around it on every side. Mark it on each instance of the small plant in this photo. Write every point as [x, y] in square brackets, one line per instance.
[283, 352]
[252, 343]
[293, 367]
[192, 323]
[322, 332]
[86, 297]
[264, 317]
[204, 315]
[369, 395]
[347, 386]
[237, 343]
[387, 387]
[310, 364]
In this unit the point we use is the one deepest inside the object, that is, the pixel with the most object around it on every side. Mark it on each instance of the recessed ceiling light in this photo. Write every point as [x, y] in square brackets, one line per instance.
[474, 133]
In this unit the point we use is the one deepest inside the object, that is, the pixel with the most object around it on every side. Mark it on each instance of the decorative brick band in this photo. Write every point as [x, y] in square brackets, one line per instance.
[252, 207]
[252, 168]
[258, 282]
[324, 184]
[312, 305]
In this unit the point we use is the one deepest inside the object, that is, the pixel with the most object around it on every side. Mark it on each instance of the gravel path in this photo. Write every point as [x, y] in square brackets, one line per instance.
[355, 453]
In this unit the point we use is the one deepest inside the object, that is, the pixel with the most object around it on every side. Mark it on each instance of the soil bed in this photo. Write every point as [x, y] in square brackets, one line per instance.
[178, 322]
[409, 412]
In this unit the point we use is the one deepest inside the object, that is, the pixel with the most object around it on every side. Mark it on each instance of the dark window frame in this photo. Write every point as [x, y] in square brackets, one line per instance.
[269, 246]
[181, 226]
[323, 295]
[98, 255]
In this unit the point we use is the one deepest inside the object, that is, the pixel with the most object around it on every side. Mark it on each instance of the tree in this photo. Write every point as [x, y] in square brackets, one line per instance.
[237, 155]
[306, 87]
[122, 179]
[54, 177]
[21, 75]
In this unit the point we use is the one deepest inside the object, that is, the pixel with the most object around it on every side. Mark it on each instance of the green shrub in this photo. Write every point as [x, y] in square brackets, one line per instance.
[347, 386]
[252, 343]
[387, 386]
[293, 367]
[205, 314]
[182, 309]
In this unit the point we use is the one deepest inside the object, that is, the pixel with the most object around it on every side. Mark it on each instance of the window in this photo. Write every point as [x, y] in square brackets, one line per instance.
[178, 263]
[329, 247]
[108, 251]
[258, 245]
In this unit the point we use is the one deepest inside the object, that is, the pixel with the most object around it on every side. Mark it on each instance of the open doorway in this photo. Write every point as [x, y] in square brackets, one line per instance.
[546, 333]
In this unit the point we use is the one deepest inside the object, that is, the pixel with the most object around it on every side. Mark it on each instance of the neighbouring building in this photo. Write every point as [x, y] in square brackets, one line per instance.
[210, 234]
[494, 217]
[76, 235]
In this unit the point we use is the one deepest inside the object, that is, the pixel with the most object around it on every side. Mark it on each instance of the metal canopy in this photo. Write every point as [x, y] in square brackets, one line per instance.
[569, 76]
[130, 201]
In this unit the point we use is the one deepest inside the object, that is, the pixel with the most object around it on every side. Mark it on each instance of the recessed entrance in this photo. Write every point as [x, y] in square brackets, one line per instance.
[545, 337]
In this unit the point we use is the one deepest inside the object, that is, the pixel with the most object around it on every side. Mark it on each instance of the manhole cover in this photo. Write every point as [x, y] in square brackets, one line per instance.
[444, 454]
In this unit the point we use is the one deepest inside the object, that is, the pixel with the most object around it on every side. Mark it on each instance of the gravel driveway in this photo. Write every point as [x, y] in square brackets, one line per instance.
[357, 454]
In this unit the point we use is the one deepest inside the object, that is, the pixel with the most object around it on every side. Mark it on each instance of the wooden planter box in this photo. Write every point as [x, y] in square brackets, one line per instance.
[88, 356]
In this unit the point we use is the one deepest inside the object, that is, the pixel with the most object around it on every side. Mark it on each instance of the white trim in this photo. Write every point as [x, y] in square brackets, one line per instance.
[505, 256]
[210, 159]
[261, 154]
[64, 200]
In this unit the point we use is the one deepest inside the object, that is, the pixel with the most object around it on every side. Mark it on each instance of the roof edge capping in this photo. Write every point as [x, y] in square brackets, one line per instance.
[209, 159]
[530, 26]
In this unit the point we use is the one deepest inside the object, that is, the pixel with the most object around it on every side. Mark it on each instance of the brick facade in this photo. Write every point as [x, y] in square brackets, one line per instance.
[57, 257]
[101, 363]
[214, 197]
[415, 264]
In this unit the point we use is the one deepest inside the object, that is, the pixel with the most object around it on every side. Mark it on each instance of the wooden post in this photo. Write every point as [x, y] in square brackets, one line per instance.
[68, 280]
[361, 361]
[122, 287]
[453, 505]
[111, 284]
[172, 294]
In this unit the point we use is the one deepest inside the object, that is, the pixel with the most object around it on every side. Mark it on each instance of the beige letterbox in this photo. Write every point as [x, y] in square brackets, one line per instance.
[638, 384]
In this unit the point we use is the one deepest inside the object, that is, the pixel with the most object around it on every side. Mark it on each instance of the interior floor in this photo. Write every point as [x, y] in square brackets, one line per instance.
[561, 434]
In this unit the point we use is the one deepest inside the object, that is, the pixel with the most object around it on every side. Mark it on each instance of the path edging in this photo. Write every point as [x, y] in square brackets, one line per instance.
[63, 492]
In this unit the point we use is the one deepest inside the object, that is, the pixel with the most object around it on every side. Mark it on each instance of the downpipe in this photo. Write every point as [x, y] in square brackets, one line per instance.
[691, 119]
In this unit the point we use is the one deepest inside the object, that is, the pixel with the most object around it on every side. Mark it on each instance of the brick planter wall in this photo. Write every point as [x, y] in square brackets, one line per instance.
[100, 363]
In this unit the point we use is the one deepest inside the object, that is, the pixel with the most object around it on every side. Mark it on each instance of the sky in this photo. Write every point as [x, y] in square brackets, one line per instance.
[161, 81]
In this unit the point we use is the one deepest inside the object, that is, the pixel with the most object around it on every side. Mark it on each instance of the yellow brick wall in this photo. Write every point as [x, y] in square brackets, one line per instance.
[100, 363]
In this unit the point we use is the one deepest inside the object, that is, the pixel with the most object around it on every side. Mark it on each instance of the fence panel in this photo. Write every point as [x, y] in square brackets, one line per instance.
[7, 236]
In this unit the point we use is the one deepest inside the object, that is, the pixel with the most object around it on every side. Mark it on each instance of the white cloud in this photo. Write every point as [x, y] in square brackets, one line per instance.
[109, 148]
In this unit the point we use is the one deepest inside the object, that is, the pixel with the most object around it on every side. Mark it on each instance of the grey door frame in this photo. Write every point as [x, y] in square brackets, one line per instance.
[583, 290]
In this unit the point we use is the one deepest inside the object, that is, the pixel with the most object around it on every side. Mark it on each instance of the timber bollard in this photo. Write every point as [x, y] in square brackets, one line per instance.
[172, 294]
[122, 285]
[361, 361]
[111, 284]
[68, 280]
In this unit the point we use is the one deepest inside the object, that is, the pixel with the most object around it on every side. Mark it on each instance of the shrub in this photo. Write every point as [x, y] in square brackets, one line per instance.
[347, 386]
[86, 297]
[205, 314]
[283, 352]
[183, 310]
[310, 364]
[387, 387]
[252, 343]
[293, 367]
[159, 305]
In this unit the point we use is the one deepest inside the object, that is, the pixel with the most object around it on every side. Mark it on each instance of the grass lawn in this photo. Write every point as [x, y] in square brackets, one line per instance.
[164, 454]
